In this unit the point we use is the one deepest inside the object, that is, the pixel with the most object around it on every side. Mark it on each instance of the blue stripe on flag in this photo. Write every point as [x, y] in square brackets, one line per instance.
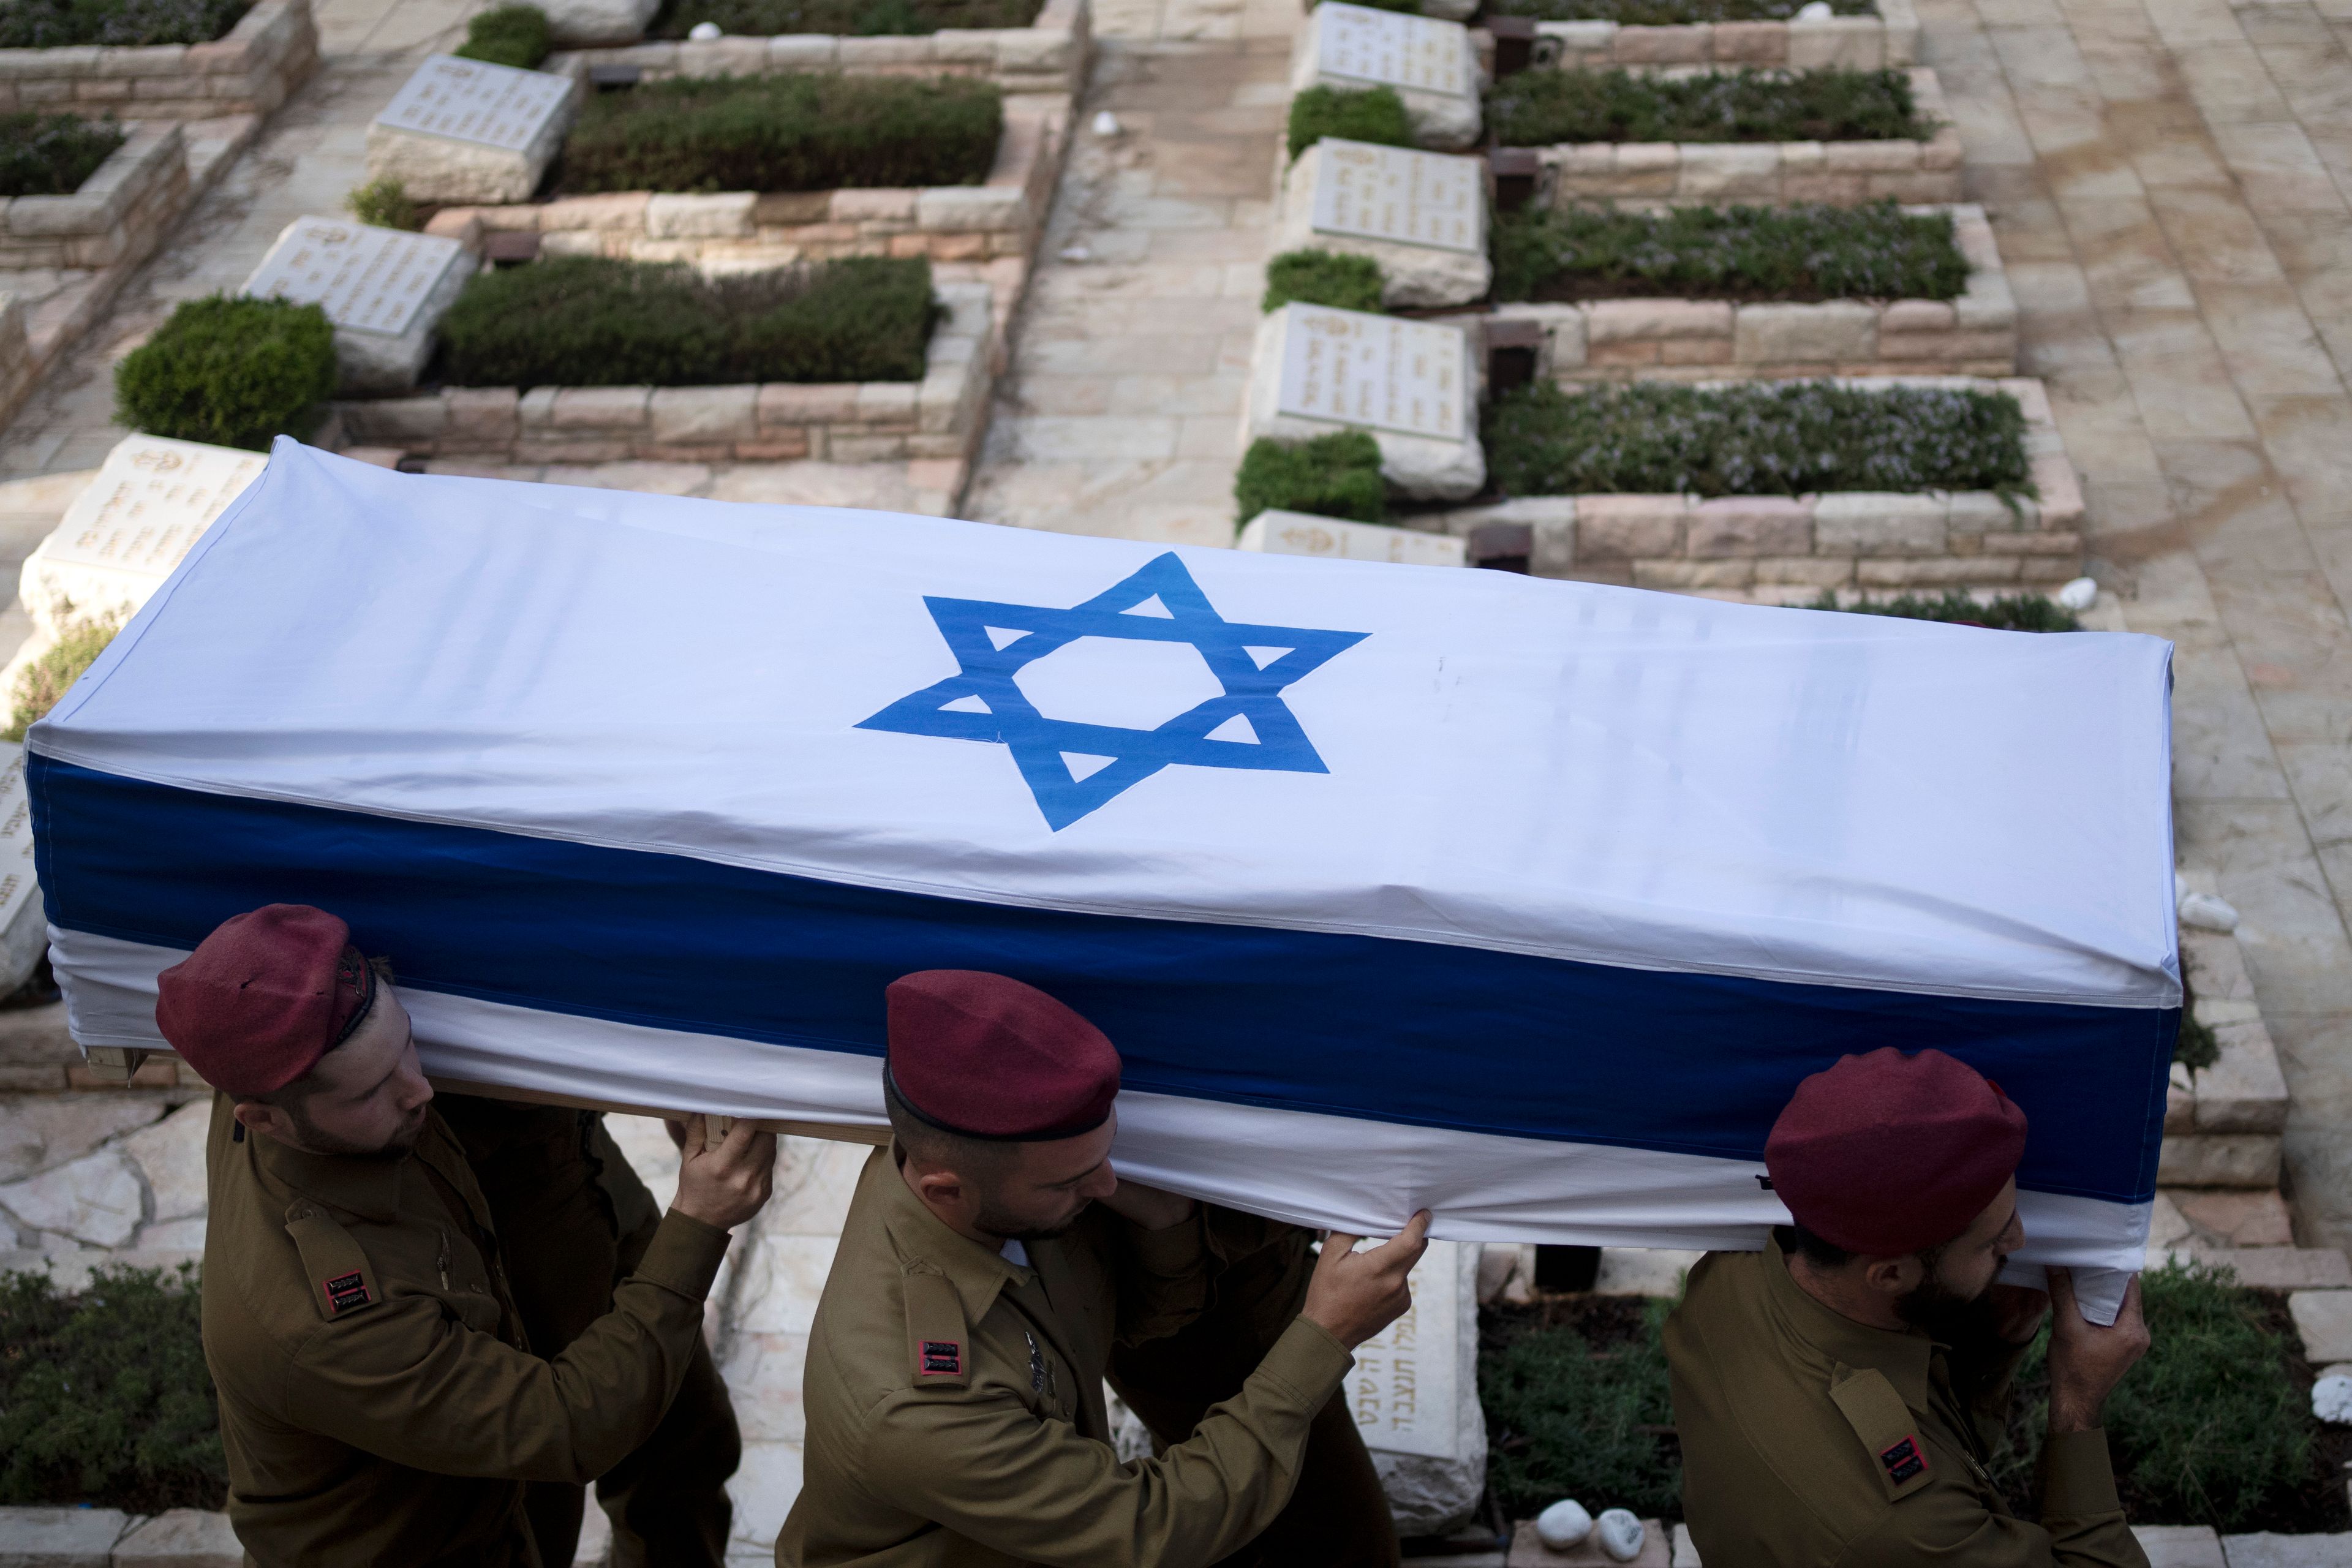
[1402, 1031]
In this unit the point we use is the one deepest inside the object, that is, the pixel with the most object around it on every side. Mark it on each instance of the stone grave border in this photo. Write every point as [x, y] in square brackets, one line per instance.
[251, 69]
[1049, 55]
[2222, 1127]
[1857, 540]
[940, 416]
[1841, 173]
[1441, 121]
[1660, 339]
[1891, 37]
[1412, 275]
[741, 228]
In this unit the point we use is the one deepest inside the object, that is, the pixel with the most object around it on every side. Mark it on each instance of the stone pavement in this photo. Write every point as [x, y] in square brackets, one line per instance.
[2169, 182]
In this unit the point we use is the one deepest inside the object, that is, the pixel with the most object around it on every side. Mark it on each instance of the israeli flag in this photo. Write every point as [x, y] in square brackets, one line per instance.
[1396, 886]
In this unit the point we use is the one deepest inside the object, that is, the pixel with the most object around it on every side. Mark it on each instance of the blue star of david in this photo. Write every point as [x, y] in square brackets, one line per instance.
[993, 642]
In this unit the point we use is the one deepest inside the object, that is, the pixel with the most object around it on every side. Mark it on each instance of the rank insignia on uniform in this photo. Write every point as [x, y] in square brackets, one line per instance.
[1036, 1363]
[1903, 1461]
[942, 1358]
[345, 1291]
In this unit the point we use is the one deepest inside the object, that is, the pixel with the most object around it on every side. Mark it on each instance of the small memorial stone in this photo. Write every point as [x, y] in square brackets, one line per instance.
[1430, 63]
[1421, 215]
[385, 290]
[466, 131]
[129, 527]
[1277, 532]
[573, 23]
[1414, 1395]
[1409, 384]
[24, 923]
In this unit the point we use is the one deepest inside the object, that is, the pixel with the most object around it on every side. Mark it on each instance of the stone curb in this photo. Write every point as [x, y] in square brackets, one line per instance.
[744, 228]
[1859, 43]
[252, 69]
[2223, 1126]
[1709, 340]
[1840, 174]
[868, 421]
[120, 211]
[1048, 55]
[1863, 539]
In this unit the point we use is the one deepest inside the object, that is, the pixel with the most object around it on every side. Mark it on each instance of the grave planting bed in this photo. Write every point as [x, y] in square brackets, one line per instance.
[1710, 32]
[1670, 330]
[936, 415]
[1429, 65]
[1577, 159]
[1047, 56]
[2011, 514]
[251, 68]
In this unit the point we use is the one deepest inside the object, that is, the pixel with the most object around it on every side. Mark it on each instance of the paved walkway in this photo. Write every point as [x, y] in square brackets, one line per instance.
[2171, 184]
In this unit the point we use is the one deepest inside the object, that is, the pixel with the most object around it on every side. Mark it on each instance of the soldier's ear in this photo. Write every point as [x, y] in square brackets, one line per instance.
[260, 1116]
[1893, 1275]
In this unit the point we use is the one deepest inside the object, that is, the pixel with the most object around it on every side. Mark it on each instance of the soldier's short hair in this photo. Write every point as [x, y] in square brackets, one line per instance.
[1823, 1254]
[979, 1158]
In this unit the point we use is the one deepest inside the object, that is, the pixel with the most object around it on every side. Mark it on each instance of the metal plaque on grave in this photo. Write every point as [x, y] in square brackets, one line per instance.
[473, 100]
[1382, 373]
[1390, 48]
[150, 502]
[1398, 194]
[367, 279]
[1402, 1390]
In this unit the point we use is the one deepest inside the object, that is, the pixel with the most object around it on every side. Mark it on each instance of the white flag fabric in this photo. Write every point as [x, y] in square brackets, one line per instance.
[1527, 901]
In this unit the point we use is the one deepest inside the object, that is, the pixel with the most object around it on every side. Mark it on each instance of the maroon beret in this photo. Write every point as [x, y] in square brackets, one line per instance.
[986, 1057]
[1884, 1154]
[264, 997]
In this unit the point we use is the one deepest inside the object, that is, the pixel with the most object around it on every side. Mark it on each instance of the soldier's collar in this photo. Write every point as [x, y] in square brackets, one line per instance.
[366, 1188]
[1900, 1354]
[976, 1272]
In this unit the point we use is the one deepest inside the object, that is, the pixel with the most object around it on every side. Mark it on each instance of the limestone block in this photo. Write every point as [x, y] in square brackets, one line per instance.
[1729, 171]
[60, 1537]
[41, 1133]
[1415, 1394]
[1630, 527]
[2281, 1267]
[465, 130]
[2179, 1545]
[1421, 216]
[182, 1538]
[2324, 1318]
[1576, 40]
[704, 414]
[1275, 532]
[1857, 43]
[2243, 1091]
[1831, 331]
[962, 208]
[803, 52]
[1527, 1550]
[723, 215]
[1751, 43]
[1636, 321]
[126, 531]
[1879, 522]
[1410, 385]
[95, 1200]
[1749, 525]
[2219, 1160]
[1552, 521]
[171, 1156]
[572, 23]
[600, 408]
[1919, 316]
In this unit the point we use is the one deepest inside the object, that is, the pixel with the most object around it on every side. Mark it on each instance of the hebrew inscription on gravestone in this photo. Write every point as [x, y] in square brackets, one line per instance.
[367, 279]
[1380, 372]
[1397, 195]
[1390, 48]
[472, 100]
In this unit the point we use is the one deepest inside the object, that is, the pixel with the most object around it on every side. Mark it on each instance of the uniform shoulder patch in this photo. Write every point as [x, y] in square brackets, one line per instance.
[1887, 1427]
[341, 1280]
[938, 1341]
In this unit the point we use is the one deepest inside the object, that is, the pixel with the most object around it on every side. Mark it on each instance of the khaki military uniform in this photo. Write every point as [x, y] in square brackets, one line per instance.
[954, 1405]
[573, 1221]
[1812, 1439]
[379, 1400]
[1337, 1514]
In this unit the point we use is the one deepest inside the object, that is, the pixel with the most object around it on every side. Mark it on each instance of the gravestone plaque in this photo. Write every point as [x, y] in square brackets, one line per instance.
[1356, 43]
[469, 131]
[367, 279]
[1277, 532]
[122, 535]
[24, 924]
[1399, 195]
[1379, 373]
[473, 100]
[1413, 1391]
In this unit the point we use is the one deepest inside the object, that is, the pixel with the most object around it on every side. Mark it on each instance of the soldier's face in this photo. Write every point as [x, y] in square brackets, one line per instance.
[1040, 1193]
[367, 1096]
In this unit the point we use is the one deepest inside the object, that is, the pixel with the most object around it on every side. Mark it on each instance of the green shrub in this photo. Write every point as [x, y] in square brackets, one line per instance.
[41, 684]
[52, 154]
[383, 203]
[51, 24]
[1666, 13]
[1337, 475]
[589, 321]
[2008, 613]
[796, 132]
[2209, 1428]
[859, 18]
[1568, 1418]
[1764, 438]
[104, 1398]
[1874, 252]
[1322, 278]
[230, 371]
[1542, 108]
[513, 36]
[1373, 114]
